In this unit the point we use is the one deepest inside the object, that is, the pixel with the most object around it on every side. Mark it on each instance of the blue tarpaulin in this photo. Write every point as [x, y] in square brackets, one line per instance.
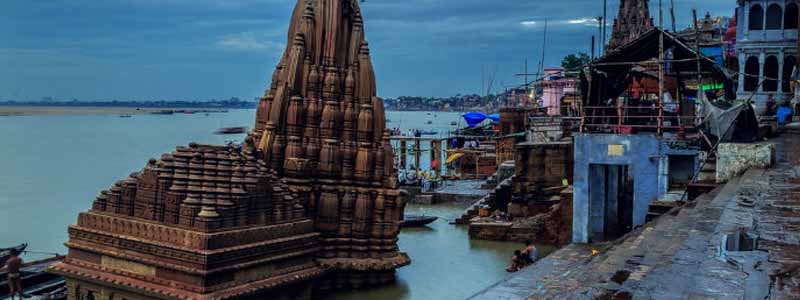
[494, 117]
[713, 52]
[474, 118]
[783, 114]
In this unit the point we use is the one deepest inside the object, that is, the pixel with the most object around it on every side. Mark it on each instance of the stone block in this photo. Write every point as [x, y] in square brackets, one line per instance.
[733, 159]
[489, 231]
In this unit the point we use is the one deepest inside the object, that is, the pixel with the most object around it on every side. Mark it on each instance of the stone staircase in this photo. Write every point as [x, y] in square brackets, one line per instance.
[504, 170]
[488, 199]
[490, 182]
[708, 172]
[659, 208]
[706, 179]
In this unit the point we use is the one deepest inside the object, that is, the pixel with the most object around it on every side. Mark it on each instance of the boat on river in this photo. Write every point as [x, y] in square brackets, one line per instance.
[231, 130]
[417, 221]
[163, 112]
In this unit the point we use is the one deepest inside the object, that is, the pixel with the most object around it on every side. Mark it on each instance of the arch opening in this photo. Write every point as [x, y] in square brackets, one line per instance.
[771, 74]
[756, 18]
[774, 17]
[790, 16]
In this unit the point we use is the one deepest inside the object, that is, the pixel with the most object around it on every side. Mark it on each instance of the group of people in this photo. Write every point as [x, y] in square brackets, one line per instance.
[523, 258]
[427, 180]
[13, 266]
[460, 142]
[411, 132]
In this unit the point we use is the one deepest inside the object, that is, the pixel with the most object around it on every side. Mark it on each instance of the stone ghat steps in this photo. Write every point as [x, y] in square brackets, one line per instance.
[658, 208]
[472, 210]
[619, 266]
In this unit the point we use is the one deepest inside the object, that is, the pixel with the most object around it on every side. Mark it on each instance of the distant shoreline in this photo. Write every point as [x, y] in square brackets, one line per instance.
[22, 110]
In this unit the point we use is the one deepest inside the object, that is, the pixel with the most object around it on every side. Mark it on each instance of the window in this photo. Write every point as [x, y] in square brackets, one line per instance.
[774, 17]
[771, 74]
[790, 16]
[751, 74]
[756, 17]
[788, 66]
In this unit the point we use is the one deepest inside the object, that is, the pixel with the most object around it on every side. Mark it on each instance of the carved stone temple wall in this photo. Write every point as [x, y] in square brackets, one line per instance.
[308, 201]
[322, 127]
[204, 222]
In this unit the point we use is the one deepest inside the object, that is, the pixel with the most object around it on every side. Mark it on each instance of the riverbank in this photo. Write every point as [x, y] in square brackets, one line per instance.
[7, 111]
[732, 243]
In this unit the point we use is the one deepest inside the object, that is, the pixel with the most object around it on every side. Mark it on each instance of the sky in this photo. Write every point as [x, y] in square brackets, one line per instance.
[212, 49]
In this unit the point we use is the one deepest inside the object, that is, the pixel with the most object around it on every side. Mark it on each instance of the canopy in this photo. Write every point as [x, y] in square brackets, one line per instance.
[474, 118]
[729, 123]
[453, 158]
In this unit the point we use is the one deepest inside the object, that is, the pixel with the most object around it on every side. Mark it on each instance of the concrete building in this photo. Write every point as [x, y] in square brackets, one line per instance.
[555, 86]
[618, 176]
[766, 44]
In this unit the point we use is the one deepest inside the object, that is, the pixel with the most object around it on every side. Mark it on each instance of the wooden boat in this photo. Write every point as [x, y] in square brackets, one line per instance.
[5, 253]
[417, 221]
[36, 282]
[124, 116]
[163, 112]
[231, 130]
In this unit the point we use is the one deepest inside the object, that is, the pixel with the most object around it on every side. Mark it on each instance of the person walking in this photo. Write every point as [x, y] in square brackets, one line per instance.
[13, 266]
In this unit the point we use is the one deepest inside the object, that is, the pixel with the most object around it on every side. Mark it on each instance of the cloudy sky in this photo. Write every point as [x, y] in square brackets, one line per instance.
[201, 49]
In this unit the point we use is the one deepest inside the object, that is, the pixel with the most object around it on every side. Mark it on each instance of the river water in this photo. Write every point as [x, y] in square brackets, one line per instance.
[53, 166]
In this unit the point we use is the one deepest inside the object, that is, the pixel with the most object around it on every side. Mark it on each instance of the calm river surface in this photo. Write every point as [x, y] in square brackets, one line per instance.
[53, 166]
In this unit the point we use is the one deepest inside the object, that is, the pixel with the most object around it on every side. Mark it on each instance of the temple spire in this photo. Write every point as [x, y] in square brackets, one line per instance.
[633, 19]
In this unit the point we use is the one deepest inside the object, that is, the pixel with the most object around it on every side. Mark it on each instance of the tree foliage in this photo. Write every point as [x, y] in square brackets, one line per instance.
[574, 62]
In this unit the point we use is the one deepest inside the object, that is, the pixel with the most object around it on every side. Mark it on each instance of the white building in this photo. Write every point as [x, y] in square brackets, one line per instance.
[766, 45]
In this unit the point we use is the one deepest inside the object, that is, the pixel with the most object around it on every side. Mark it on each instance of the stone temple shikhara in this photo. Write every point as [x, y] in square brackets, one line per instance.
[309, 201]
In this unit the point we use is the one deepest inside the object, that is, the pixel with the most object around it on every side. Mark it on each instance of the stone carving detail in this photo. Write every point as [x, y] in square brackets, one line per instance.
[633, 19]
[200, 222]
[321, 108]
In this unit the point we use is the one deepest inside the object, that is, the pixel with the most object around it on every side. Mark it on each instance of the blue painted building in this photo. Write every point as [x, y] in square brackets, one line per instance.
[617, 176]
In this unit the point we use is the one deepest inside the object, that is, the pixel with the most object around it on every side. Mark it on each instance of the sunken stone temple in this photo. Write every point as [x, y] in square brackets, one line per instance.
[309, 201]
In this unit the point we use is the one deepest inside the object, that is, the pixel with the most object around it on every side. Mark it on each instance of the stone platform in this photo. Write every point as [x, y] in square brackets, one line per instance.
[703, 251]
[459, 191]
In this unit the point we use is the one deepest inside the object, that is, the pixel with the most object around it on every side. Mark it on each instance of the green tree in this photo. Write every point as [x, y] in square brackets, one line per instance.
[574, 62]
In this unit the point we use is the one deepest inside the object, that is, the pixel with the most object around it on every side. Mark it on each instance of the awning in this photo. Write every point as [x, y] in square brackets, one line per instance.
[474, 118]
[453, 157]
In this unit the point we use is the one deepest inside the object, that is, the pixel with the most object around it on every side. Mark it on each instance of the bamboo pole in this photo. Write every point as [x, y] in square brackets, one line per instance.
[417, 152]
[660, 65]
[403, 154]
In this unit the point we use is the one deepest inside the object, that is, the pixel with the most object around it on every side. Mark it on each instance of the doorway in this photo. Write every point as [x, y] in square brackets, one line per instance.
[610, 201]
[681, 170]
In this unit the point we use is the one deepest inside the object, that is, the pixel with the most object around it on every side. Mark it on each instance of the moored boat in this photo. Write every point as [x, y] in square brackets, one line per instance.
[163, 112]
[417, 221]
[231, 130]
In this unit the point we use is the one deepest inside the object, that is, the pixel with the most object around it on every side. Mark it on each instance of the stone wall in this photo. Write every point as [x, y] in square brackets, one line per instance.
[553, 226]
[540, 166]
[733, 159]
